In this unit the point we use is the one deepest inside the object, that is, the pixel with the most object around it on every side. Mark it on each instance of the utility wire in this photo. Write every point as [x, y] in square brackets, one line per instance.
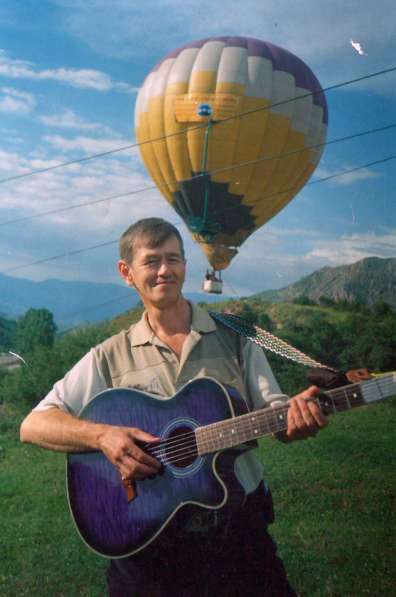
[197, 176]
[55, 257]
[200, 126]
[112, 242]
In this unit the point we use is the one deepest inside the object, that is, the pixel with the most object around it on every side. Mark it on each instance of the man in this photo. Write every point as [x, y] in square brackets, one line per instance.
[231, 554]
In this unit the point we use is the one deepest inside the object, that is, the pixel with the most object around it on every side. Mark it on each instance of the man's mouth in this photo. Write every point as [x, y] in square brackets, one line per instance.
[165, 283]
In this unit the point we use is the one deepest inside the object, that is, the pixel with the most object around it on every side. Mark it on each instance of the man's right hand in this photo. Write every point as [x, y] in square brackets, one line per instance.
[58, 430]
[120, 446]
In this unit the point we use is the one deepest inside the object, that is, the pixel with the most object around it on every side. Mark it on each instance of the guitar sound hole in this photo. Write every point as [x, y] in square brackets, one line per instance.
[181, 450]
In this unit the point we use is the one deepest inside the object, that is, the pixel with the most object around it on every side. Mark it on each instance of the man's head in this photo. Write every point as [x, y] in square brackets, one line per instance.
[152, 232]
[152, 261]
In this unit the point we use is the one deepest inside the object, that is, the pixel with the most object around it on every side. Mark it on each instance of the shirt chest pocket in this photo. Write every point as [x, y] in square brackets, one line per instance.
[154, 379]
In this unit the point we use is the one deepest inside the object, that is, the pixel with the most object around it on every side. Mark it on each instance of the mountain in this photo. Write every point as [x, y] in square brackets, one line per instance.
[72, 303]
[367, 281]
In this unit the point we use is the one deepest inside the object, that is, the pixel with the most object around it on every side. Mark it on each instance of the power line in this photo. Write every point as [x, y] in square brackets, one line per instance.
[197, 176]
[112, 242]
[55, 257]
[200, 126]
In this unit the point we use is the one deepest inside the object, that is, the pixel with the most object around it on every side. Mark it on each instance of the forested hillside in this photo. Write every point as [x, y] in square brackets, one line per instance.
[355, 451]
[342, 335]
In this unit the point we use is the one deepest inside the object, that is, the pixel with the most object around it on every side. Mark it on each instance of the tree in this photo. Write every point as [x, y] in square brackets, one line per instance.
[264, 321]
[36, 328]
[303, 299]
[7, 334]
[382, 309]
[326, 301]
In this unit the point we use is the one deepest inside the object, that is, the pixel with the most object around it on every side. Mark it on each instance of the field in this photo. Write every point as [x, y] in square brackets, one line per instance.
[334, 498]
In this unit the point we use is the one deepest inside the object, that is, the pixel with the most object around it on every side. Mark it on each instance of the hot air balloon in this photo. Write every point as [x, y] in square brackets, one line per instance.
[230, 129]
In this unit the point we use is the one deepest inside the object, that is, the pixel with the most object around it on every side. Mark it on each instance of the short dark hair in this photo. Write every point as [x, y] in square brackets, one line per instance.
[155, 231]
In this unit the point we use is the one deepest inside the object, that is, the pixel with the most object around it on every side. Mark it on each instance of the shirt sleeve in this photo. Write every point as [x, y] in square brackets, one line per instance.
[261, 386]
[82, 383]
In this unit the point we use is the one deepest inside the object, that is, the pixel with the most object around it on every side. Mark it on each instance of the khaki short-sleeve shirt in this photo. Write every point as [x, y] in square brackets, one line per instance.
[136, 358]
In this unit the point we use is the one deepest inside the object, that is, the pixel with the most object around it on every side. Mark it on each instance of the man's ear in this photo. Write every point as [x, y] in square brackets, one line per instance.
[125, 272]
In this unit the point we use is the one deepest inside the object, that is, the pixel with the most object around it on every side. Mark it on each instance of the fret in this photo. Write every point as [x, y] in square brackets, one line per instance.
[327, 404]
[379, 388]
[347, 399]
[280, 419]
[232, 432]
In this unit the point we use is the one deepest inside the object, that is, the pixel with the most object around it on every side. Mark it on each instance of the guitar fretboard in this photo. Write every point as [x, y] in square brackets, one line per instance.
[238, 430]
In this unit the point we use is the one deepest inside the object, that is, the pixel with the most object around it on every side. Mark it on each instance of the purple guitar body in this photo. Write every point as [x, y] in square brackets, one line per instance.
[197, 429]
[115, 527]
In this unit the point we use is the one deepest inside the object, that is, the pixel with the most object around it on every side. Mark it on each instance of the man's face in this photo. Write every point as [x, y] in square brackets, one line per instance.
[156, 273]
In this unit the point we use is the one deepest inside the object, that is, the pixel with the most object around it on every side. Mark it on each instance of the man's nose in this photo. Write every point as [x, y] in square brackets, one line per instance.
[164, 268]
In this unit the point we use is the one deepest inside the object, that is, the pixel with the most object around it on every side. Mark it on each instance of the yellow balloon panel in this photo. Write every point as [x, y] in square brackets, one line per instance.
[150, 158]
[157, 131]
[230, 130]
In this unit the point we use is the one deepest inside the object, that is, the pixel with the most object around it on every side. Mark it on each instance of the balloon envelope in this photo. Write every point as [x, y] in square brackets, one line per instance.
[267, 116]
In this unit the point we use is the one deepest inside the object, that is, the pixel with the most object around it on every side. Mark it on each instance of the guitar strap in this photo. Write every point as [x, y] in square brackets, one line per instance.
[320, 375]
[266, 340]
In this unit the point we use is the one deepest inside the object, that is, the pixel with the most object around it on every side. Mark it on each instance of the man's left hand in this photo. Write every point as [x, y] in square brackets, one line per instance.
[304, 417]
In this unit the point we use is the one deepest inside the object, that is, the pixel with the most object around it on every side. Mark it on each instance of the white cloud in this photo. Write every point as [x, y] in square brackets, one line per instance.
[87, 145]
[318, 32]
[82, 78]
[265, 261]
[15, 101]
[351, 248]
[346, 179]
[69, 120]
[78, 183]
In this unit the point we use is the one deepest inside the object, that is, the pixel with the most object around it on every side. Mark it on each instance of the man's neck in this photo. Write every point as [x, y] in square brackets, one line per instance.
[171, 320]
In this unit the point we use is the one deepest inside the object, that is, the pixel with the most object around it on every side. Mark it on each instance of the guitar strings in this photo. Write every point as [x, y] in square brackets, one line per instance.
[172, 448]
[176, 449]
[179, 442]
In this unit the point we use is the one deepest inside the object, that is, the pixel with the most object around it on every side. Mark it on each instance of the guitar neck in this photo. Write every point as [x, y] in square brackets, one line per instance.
[238, 430]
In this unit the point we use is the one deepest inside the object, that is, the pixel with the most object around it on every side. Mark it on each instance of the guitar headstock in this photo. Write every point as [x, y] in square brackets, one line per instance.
[357, 394]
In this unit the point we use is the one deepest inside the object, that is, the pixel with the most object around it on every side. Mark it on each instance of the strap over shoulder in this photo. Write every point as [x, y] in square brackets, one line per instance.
[266, 340]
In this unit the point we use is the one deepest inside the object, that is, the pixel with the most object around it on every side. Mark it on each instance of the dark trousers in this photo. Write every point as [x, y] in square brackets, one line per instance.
[235, 559]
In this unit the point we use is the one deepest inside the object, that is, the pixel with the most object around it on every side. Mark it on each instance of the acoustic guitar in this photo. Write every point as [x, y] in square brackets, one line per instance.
[197, 426]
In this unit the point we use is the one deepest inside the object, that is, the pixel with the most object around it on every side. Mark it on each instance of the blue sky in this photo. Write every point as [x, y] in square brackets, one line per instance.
[70, 71]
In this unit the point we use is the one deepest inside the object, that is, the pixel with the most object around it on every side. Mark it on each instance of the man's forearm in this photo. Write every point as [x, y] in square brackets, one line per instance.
[57, 430]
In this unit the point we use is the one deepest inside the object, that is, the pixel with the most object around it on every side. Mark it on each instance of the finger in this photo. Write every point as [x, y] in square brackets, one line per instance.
[293, 431]
[143, 436]
[296, 412]
[306, 417]
[131, 469]
[142, 457]
[320, 419]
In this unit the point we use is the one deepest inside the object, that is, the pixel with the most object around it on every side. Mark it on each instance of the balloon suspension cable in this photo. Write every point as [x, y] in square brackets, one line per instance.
[204, 170]
[200, 224]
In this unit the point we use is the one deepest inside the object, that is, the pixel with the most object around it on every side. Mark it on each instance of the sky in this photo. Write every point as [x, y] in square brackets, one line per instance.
[70, 71]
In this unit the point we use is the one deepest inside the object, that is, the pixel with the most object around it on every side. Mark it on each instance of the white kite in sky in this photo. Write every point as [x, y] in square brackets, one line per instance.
[358, 47]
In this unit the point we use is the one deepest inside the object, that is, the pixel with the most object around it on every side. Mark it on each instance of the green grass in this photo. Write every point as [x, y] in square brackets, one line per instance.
[334, 499]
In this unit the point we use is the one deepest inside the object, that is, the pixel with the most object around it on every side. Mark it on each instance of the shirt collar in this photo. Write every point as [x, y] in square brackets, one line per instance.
[201, 320]
[143, 334]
